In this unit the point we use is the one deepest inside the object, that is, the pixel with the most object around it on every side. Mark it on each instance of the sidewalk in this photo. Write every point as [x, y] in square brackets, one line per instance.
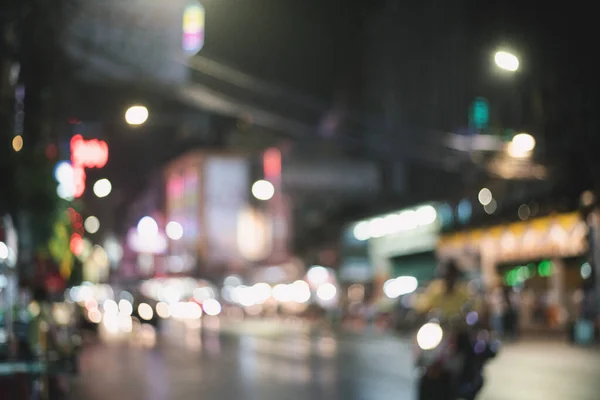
[543, 370]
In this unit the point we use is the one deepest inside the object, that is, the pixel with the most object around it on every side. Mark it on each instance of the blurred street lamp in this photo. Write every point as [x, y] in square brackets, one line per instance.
[17, 143]
[136, 115]
[506, 61]
[521, 145]
[263, 190]
[102, 188]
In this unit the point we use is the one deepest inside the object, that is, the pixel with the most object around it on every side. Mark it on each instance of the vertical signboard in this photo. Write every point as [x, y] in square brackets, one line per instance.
[183, 204]
[225, 198]
[193, 28]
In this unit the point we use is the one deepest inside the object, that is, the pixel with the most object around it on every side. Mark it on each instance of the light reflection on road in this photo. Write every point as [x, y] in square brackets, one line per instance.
[185, 360]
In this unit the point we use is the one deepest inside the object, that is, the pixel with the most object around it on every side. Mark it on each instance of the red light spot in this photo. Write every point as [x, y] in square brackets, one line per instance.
[73, 121]
[86, 154]
[272, 163]
[76, 244]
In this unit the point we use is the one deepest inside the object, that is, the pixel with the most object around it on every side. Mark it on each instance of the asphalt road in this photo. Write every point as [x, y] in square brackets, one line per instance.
[183, 365]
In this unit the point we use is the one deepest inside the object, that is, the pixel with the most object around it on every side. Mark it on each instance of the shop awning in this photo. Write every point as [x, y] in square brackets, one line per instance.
[562, 235]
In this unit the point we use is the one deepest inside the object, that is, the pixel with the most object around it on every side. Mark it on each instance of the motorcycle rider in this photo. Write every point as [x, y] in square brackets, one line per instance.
[447, 295]
[450, 297]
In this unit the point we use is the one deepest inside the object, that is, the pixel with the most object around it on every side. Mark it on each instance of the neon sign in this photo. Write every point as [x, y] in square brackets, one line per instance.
[86, 154]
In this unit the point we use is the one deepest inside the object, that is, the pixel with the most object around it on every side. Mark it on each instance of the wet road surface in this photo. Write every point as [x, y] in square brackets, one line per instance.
[181, 364]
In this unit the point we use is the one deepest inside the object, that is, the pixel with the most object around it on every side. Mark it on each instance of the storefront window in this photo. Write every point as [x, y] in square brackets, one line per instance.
[541, 301]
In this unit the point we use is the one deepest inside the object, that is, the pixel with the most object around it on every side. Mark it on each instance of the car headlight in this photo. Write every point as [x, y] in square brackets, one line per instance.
[430, 336]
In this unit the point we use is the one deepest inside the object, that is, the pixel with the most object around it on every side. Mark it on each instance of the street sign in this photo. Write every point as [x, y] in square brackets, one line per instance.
[479, 113]
[193, 28]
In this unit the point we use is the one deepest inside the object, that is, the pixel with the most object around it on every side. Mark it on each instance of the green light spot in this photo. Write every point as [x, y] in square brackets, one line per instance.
[512, 278]
[545, 268]
[480, 113]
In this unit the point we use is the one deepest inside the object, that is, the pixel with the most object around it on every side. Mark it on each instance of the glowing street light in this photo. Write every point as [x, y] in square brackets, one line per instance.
[263, 190]
[136, 115]
[521, 145]
[506, 61]
[102, 188]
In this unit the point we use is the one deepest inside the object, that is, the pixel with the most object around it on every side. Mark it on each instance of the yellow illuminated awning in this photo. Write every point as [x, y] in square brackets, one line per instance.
[540, 228]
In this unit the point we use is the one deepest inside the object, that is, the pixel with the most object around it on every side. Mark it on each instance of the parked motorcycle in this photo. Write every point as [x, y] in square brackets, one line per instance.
[450, 358]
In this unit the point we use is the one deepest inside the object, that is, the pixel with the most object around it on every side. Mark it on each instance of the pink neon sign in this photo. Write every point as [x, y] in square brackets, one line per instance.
[86, 154]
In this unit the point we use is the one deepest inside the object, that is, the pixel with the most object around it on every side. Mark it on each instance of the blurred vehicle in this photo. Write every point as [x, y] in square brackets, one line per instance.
[450, 357]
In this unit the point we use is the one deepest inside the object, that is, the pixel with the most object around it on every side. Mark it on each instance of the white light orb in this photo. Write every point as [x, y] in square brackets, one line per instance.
[429, 336]
[426, 215]
[136, 115]
[125, 307]
[211, 307]
[317, 275]
[174, 230]
[282, 293]
[102, 188]
[263, 190]
[91, 224]
[162, 310]
[506, 61]
[3, 251]
[521, 145]
[63, 172]
[147, 227]
[145, 311]
[485, 196]
[327, 292]
[300, 291]
[361, 231]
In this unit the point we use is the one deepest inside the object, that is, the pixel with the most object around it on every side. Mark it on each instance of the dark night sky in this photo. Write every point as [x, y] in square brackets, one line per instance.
[315, 46]
[307, 45]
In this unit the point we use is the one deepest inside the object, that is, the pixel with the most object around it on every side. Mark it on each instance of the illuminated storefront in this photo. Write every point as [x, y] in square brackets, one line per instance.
[205, 194]
[543, 259]
[401, 243]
